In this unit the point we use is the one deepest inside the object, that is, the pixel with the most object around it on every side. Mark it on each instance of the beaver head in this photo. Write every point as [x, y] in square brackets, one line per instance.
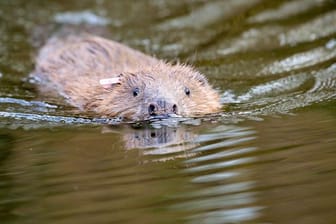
[157, 91]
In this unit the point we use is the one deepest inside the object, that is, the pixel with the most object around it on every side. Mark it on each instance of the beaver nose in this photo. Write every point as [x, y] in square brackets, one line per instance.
[161, 107]
[151, 109]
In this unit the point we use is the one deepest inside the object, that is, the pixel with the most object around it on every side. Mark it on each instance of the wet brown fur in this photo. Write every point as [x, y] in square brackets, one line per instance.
[74, 65]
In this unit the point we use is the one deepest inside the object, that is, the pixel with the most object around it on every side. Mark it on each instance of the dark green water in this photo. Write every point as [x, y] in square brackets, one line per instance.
[269, 158]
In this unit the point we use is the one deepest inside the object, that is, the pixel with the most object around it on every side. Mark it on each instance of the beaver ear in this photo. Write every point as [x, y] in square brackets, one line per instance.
[109, 82]
[201, 78]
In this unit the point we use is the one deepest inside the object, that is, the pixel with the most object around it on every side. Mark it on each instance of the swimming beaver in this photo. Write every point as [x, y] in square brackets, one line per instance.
[111, 79]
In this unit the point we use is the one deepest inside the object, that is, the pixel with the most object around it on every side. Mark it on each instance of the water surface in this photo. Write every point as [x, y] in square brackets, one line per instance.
[268, 158]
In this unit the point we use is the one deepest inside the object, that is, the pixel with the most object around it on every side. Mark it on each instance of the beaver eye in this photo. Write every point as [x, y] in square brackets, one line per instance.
[136, 91]
[187, 91]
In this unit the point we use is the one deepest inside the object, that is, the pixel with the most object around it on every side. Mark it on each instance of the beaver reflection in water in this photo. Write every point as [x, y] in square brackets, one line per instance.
[113, 80]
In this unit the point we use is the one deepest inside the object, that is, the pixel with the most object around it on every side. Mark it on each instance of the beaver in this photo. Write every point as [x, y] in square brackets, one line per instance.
[110, 79]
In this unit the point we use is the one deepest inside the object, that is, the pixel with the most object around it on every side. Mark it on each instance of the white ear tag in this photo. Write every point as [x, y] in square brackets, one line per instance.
[107, 83]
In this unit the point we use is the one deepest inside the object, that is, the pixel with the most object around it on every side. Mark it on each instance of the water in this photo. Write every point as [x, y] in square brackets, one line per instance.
[268, 158]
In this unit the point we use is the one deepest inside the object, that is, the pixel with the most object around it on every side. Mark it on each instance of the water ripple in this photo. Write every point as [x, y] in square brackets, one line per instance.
[319, 27]
[220, 155]
[287, 9]
[302, 60]
[21, 102]
[219, 168]
[237, 215]
[325, 80]
[276, 36]
[82, 17]
[209, 13]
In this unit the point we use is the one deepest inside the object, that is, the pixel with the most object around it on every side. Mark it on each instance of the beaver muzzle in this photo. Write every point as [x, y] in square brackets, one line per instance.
[161, 107]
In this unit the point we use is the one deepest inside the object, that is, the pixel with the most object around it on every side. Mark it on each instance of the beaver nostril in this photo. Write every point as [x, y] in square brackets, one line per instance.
[151, 109]
[174, 109]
